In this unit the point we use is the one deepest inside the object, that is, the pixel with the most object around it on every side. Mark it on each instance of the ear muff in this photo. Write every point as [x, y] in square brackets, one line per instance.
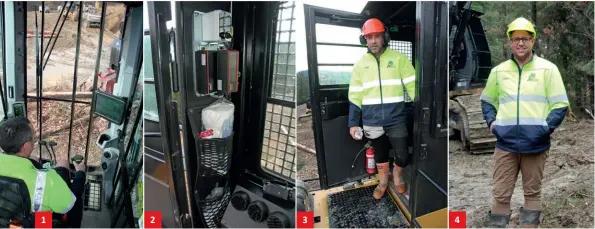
[362, 40]
[385, 37]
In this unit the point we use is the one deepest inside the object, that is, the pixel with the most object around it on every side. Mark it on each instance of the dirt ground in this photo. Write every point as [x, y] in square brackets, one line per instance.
[567, 188]
[58, 76]
[306, 161]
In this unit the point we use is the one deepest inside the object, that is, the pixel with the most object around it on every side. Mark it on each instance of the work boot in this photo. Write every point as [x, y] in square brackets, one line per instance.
[400, 185]
[383, 180]
[498, 220]
[529, 218]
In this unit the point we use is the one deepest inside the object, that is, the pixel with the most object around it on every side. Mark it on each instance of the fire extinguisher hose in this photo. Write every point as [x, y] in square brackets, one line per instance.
[356, 156]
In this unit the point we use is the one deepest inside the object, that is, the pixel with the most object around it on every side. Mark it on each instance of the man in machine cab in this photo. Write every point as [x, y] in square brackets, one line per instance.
[377, 101]
[523, 102]
[48, 189]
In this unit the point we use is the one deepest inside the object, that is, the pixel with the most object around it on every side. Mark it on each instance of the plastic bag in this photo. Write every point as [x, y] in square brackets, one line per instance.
[218, 117]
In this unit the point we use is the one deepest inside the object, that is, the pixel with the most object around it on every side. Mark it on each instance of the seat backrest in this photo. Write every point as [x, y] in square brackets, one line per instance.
[15, 203]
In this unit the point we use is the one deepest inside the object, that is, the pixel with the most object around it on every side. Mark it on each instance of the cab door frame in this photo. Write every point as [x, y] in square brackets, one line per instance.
[339, 104]
[167, 107]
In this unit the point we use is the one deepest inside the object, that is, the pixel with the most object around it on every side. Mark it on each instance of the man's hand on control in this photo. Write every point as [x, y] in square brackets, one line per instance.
[80, 166]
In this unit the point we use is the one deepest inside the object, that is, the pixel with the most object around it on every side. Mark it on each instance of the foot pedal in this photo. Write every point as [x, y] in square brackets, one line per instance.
[93, 195]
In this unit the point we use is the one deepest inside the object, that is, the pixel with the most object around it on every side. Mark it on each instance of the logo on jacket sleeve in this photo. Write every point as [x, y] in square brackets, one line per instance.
[391, 64]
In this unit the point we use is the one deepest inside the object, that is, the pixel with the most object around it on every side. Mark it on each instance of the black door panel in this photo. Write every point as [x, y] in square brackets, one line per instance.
[335, 148]
[341, 156]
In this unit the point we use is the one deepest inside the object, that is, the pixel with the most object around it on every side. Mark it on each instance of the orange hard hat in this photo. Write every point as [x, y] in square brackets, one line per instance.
[372, 25]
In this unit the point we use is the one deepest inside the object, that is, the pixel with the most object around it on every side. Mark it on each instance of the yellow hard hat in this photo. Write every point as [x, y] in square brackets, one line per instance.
[520, 24]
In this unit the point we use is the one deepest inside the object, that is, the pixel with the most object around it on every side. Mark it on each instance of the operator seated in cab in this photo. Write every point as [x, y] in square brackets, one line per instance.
[49, 189]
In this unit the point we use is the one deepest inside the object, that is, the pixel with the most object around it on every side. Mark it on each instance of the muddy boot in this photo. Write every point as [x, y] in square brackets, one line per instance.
[383, 180]
[498, 220]
[400, 185]
[529, 218]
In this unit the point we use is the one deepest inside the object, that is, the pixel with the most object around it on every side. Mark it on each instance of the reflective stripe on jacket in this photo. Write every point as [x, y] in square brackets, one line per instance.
[526, 104]
[376, 92]
[47, 190]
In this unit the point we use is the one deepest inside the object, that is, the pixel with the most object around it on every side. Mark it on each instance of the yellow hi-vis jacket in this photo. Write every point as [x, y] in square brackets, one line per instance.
[47, 189]
[525, 104]
[376, 93]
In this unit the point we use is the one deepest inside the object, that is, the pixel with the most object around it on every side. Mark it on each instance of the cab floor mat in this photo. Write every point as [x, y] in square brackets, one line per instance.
[357, 208]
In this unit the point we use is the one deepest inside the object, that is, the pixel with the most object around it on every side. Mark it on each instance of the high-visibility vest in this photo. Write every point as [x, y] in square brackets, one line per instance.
[48, 191]
[525, 104]
[376, 92]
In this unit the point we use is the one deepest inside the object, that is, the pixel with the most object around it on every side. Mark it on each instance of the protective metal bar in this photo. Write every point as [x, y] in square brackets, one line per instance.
[3, 37]
[340, 44]
[40, 72]
[55, 26]
[96, 72]
[37, 82]
[134, 128]
[3, 86]
[57, 99]
[124, 196]
[337, 64]
[76, 65]
[122, 31]
[55, 40]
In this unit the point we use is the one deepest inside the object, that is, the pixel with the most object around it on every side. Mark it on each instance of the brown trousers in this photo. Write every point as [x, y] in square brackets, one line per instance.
[506, 170]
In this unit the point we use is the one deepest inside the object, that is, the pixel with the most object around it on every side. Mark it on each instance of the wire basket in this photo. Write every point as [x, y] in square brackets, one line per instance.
[214, 157]
[214, 208]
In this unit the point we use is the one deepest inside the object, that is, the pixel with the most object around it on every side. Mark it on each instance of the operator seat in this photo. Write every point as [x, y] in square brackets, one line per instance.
[15, 203]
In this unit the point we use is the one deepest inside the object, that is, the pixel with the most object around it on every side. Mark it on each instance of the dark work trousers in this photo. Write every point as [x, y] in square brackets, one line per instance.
[395, 137]
[75, 215]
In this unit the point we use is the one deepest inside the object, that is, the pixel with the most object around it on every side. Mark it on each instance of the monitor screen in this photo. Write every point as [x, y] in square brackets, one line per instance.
[110, 107]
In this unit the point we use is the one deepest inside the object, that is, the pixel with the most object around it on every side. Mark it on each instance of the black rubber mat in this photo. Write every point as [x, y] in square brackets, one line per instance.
[93, 195]
[357, 208]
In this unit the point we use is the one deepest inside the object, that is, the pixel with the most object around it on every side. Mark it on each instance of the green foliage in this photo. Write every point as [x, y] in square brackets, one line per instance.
[325, 78]
[564, 37]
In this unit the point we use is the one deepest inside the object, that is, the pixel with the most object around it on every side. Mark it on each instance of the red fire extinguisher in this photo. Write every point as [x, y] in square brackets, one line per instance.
[370, 163]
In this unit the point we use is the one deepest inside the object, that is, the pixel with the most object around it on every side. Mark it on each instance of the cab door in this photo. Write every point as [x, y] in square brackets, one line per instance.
[164, 174]
[328, 33]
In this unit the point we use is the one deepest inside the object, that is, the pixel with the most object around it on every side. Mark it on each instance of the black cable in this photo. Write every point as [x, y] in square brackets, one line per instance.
[357, 155]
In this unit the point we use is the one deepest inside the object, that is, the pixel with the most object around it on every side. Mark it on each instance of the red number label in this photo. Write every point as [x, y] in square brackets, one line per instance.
[43, 219]
[457, 219]
[305, 220]
[153, 220]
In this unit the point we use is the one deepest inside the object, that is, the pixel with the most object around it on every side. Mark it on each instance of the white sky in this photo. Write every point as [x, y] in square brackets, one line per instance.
[169, 24]
[331, 34]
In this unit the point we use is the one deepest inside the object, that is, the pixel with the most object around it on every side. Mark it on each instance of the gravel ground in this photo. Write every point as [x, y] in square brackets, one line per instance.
[306, 161]
[567, 189]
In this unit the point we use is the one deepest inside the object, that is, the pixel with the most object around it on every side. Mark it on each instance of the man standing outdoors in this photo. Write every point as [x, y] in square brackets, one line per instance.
[523, 102]
[377, 100]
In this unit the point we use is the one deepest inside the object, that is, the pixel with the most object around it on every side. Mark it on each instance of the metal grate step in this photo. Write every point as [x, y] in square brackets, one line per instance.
[93, 195]
[357, 208]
